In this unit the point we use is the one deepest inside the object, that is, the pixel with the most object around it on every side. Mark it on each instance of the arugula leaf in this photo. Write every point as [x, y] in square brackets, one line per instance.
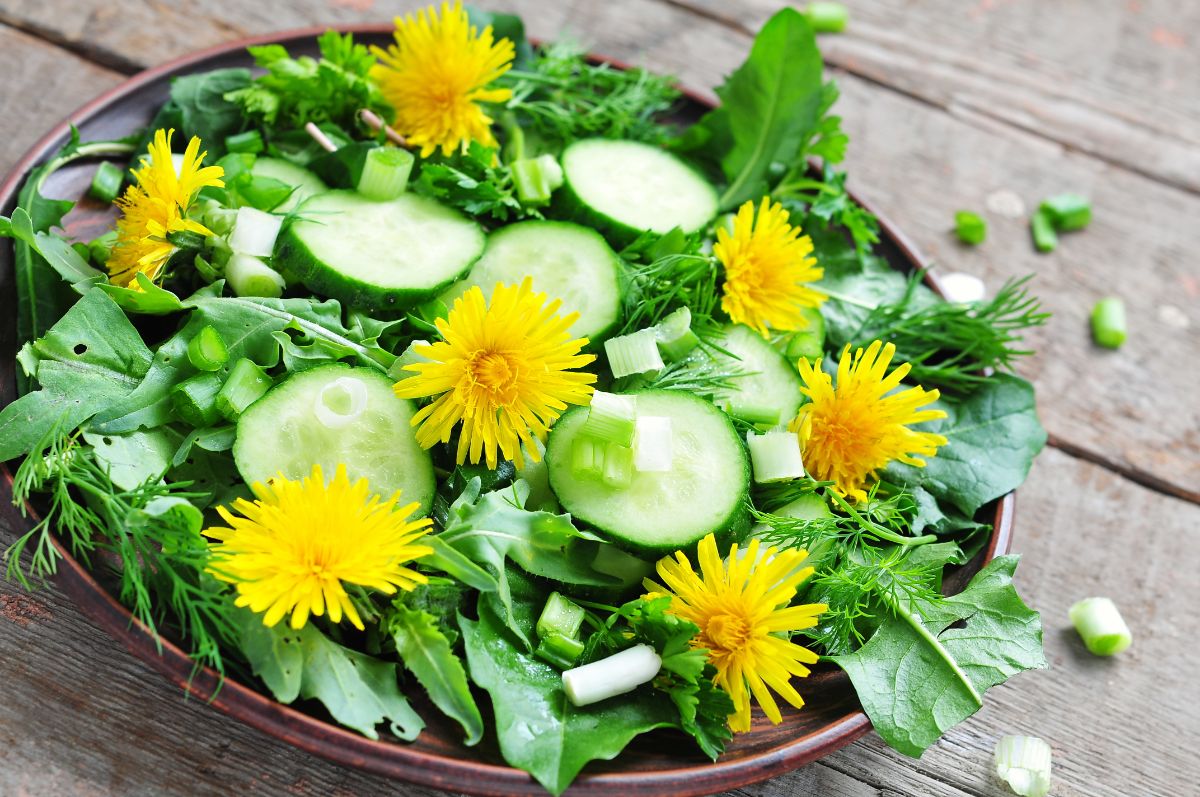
[249, 326]
[359, 692]
[92, 359]
[492, 528]
[538, 729]
[993, 436]
[918, 676]
[296, 91]
[426, 652]
[137, 457]
[205, 111]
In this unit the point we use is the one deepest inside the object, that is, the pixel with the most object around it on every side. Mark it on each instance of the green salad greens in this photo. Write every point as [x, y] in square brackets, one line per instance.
[464, 376]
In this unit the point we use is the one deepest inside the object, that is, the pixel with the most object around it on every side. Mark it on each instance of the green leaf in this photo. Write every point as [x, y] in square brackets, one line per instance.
[494, 528]
[538, 729]
[426, 652]
[248, 326]
[134, 458]
[473, 182]
[92, 359]
[358, 691]
[204, 110]
[769, 106]
[917, 676]
[993, 436]
[151, 299]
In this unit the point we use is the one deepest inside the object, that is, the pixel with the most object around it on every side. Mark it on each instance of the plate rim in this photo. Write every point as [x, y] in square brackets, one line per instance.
[340, 745]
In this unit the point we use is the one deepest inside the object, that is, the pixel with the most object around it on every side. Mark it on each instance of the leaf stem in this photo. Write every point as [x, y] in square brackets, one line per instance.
[915, 621]
[879, 531]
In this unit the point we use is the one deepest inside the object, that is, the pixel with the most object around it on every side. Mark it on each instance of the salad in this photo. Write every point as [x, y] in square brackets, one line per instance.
[467, 368]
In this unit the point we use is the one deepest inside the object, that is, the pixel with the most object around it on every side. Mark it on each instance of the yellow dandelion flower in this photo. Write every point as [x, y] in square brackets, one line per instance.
[849, 432]
[298, 544]
[740, 606]
[156, 207]
[437, 73]
[504, 369]
[767, 264]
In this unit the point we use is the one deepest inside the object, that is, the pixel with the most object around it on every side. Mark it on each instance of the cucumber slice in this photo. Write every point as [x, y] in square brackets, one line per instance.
[566, 261]
[625, 188]
[378, 255]
[336, 414]
[305, 182]
[706, 490]
[772, 386]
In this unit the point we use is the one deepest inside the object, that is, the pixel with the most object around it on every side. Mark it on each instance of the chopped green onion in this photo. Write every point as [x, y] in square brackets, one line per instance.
[1108, 322]
[970, 227]
[1044, 237]
[218, 219]
[960, 288]
[250, 276]
[1023, 762]
[775, 456]
[1101, 626]
[82, 250]
[618, 465]
[751, 412]
[245, 385]
[254, 232]
[636, 353]
[106, 182]
[675, 336]
[206, 351]
[808, 341]
[251, 141]
[827, 17]
[533, 180]
[195, 400]
[385, 173]
[620, 673]
[611, 418]
[559, 651]
[552, 170]
[1067, 212]
[612, 561]
[652, 446]
[560, 616]
[587, 458]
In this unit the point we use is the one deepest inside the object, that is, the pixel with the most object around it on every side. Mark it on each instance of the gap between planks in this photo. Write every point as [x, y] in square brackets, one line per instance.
[116, 62]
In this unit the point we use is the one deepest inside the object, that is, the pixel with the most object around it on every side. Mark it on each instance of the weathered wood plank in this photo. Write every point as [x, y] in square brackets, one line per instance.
[1114, 79]
[42, 85]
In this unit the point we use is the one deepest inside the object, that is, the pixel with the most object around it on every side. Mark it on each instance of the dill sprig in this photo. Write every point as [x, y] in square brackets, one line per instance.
[667, 283]
[700, 374]
[562, 97]
[866, 564]
[954, 346]
[159, 557]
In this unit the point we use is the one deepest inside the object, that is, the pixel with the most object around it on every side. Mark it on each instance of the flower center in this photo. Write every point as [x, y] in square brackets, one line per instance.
[728, 631]
[495, 373]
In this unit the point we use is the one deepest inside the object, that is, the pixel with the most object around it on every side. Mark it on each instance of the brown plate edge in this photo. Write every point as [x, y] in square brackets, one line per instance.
[385, 758]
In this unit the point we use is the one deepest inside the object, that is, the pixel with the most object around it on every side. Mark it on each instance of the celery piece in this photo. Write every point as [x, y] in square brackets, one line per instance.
[250, 142]
[206, 351]
[559, 651]
[775, 456]
[675, 336]
[1101, 626]
[106, 182]
[1044, 237]
[194, 400]
[246, 384]
[560, 616]
[250, 276]
[1067, 212]
[970, 227]
[385, 173]
[531, 181]
[1108, 322]
[635, 353]
[763, 414]
[611, 418]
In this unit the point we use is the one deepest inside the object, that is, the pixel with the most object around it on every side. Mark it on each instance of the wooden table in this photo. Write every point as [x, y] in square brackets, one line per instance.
[948, 103]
